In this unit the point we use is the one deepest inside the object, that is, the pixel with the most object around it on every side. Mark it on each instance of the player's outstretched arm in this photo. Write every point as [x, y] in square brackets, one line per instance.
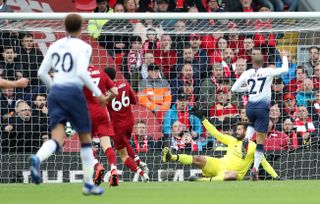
[202, 114]
[21, 83]
[266, 166]
[285, 65]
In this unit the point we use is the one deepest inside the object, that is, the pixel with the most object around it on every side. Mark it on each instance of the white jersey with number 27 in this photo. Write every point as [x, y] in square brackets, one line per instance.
[257, 82]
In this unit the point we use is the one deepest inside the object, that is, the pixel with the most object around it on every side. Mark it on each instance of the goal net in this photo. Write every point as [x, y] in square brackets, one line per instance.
[172, 61]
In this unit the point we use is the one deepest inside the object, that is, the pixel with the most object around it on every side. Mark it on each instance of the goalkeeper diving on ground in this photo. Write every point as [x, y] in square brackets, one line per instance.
[233, 166]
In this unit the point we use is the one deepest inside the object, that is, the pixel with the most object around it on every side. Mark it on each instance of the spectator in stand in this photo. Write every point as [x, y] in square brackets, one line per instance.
[277, 91]
[228, 59]
[243, 115]
[246, 6]
[200, 55]
[10, 68]
[316, 76]
[5, 7]
[117, 45]
[152, 41]
[162, 6]
[188, 89]
[291, 4]
[141, 141]
[290, 131]
[31, 58]
[276, 140]
[142, 72]
[187, 75]
[286, 78]
[150, 32]
[246, 52]
[209, 42]
[134, 59]
[290, 107]
[239, 67]
[165, 57]
[215, 5]
[222, 44]
[296, 84]
[314, 58]
[179, 39]
[273, 5]
[130, 6]
[196, 23]
[154, 92]
[181, 111]
[40, 108]
[276, 116]
[187, 58]
[172, 136]
[304, 126]
[95, 25]
[10, 38]
[223, 113]
[186, 143]
[306, 94]
[8, 100]
[24, 133]
[209, 86]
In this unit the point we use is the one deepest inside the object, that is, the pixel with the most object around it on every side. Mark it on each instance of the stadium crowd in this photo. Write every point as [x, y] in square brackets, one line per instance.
[170, 72]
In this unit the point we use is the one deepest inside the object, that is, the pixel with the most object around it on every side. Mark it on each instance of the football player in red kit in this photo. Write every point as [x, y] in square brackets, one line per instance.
[123, 121]
[101, 123]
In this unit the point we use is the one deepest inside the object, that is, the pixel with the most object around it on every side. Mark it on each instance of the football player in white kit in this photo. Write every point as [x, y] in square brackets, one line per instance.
[257, 82]
[69, 57]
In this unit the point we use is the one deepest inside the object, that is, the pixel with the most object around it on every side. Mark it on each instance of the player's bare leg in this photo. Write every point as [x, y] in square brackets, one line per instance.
[86, 154]
[129, 162]
[137, 159]
[46, 150]
[258, 155]
[245, 142]
[105, 144]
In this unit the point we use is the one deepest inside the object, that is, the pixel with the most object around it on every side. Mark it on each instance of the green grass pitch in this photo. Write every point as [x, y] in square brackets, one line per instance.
[269, 192]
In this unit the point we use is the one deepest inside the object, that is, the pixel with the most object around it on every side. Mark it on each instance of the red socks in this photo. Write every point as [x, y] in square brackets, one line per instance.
[111, 156]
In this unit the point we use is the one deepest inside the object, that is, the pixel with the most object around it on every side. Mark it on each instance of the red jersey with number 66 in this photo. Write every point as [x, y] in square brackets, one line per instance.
[120, 107]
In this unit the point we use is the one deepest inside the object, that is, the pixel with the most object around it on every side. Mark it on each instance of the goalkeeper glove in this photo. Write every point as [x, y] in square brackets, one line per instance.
[199, 111]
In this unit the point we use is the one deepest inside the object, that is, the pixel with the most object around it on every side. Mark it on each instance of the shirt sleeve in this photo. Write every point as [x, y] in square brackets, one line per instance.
[225, 139]
[237, 86]
[284, 68]
[43, 72]
[82, 66]
[266, 166]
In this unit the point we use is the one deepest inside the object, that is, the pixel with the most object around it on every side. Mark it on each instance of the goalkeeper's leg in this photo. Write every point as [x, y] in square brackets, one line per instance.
[199, 161]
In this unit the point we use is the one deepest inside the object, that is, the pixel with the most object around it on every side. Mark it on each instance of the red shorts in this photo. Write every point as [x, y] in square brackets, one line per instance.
[122, 136]
[101, 123]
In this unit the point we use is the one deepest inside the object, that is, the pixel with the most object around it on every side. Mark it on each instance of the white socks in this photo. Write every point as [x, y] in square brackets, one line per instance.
[257, 159]
[47, 149]
[250, 132]
[86, 154]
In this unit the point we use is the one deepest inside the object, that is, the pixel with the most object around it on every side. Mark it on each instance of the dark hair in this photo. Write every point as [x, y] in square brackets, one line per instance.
[314, 47]
[135, 38]
[26, 34]
[244, 124]
[141, 121]
[111, 72]
[73, 23]
[7, 47]
[39, 94]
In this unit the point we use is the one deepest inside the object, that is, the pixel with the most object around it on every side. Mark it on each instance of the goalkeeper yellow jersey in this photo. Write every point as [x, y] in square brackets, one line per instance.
[233, 158]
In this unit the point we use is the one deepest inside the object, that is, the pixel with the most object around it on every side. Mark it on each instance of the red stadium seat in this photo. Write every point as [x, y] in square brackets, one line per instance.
[85, 5]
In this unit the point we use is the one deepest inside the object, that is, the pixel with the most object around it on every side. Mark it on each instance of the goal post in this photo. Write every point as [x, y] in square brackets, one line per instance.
[214, 47]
